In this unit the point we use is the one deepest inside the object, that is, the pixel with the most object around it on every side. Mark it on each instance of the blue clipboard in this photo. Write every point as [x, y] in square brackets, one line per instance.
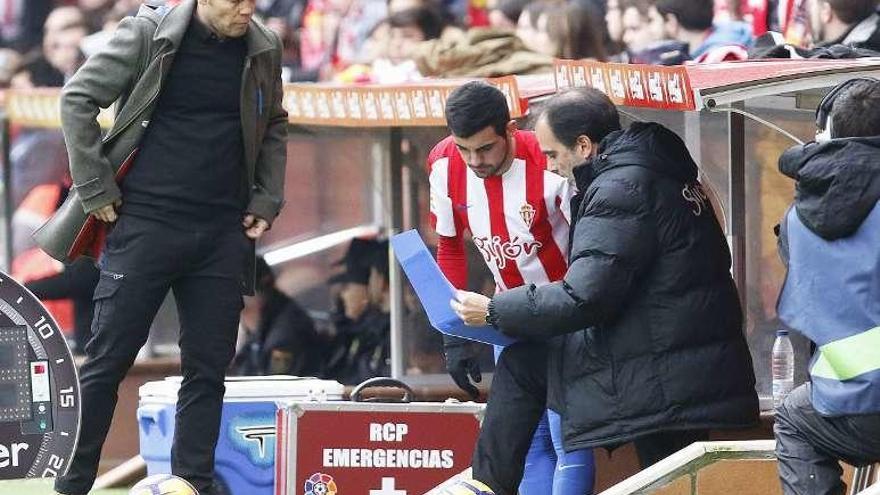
[435, 292]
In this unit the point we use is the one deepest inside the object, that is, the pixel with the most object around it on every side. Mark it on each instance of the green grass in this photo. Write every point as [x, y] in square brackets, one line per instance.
[44, 487]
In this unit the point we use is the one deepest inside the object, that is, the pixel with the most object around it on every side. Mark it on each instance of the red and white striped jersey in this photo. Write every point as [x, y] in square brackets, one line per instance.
[519, 220]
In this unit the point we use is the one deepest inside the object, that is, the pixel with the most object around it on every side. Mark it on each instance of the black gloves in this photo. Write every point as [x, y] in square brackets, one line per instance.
[462, 360]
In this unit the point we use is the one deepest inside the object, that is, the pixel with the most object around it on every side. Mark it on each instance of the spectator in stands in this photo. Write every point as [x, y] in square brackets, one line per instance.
[848, 22]
[639, 29]
[405, 29]
[562, 30]
[358, 21]
[95, 10]
[480, 52]
[334, 32]
[363, 323]
[21, 23]
[691, 22]
[830, 242]
[284, 17]
[279, 336]
[644, 38]
[374, 48]
[531, 27]
[574, 33]
[598, 10]
[98, 40]
[65, 30]
[281, 15]
[614, 21]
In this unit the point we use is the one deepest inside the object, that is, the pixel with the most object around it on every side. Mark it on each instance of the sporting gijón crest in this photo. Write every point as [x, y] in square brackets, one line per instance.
[527, 213]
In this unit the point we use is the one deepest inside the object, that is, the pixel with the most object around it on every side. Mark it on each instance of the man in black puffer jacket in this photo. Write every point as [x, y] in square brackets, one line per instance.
[647, 322]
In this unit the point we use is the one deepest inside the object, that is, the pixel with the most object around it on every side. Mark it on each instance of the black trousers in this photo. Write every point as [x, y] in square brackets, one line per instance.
[517, 401]
[142, 261]
[809, 445]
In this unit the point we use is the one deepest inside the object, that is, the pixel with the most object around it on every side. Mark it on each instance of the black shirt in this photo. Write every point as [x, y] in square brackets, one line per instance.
[189, 170]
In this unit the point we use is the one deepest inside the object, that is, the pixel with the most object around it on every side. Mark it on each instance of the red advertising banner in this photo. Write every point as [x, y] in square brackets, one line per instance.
[414, 104]
[393, 451]
[651, 86]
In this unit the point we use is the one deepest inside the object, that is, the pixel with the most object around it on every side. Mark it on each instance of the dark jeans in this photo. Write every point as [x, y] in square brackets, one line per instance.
[516, 403]
[141, 262]
[809, 445]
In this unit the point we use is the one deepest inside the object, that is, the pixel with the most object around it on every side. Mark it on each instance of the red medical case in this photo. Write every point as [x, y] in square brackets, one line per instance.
[363, 448]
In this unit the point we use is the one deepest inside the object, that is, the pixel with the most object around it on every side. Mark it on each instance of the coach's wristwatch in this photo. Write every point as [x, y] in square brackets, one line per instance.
[491, 317]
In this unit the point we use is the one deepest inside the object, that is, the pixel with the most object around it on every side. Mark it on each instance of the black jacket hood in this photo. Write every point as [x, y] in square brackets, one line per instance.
[838, 183]
[644, 144]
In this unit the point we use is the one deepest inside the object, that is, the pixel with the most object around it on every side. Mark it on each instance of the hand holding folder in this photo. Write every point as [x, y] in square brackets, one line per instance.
[435, 292]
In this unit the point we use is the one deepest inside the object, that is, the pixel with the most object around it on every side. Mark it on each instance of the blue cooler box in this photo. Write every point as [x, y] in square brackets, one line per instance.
[245, 455]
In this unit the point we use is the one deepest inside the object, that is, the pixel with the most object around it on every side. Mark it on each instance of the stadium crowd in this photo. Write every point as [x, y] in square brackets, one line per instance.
[42, 42]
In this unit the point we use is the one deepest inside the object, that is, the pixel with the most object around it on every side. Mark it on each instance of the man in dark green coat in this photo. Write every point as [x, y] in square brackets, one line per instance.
[173, 197]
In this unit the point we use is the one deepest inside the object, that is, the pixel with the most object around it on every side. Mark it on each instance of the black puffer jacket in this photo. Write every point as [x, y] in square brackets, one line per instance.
[648, 320]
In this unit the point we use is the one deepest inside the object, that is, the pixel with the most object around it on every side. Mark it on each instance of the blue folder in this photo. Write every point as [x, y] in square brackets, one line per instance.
[435, 292]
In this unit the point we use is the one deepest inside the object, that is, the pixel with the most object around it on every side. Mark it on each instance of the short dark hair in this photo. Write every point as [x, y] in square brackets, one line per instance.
[855, 113]
[581, 112]
[852, 11]
[474, 106]
[693, 15]
[426, 19]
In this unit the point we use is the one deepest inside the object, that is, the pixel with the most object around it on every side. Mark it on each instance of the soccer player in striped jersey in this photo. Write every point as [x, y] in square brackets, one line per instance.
[491, 179]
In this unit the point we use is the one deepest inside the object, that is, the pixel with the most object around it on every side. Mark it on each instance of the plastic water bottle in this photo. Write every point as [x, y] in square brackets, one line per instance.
[782, 367]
